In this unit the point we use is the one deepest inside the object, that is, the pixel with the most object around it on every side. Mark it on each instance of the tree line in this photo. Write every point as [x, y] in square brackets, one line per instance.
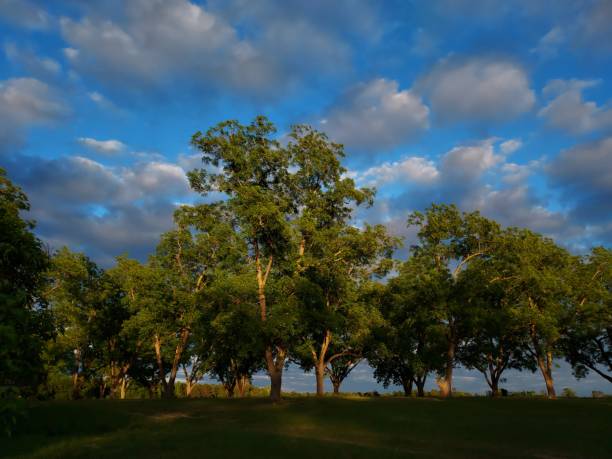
[276, 267]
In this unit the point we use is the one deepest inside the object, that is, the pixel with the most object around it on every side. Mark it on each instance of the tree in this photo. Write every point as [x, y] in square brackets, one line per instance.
[340, 368]
[335, 320]
[411, 341]
[587, 337]
[277, 194]
[495, 340]
[453, 240]
[91, 314]
[230, 337]
[538, 274]
[25, 323]
[165, 294]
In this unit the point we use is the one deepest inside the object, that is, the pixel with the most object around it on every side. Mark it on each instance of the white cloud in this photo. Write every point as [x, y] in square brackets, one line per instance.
[25, 102]
[31, 63]
[71, 53]
[548, 46]
[514, 174]
[583, 173]
[103, 210]
[411, 169]
[107, 147]
[469, 162]
[569, 112]
[477, 89]
[241, 46]
[154, 40]
[24, 13]
[510, 146]
[375, 116]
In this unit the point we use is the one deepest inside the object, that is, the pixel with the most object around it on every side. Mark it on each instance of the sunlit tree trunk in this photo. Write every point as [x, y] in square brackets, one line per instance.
[419, 380]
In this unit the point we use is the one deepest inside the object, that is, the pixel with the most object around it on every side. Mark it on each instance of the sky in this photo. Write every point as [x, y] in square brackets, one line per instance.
[502, 107]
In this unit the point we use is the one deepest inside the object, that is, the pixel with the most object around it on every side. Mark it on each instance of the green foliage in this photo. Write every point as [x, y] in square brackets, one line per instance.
[568, 393]
[25, 324]
[586, 341]
[410, 343]
[274, 269]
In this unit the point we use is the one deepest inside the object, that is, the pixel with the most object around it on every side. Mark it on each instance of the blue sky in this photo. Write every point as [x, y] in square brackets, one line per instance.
[498, 106]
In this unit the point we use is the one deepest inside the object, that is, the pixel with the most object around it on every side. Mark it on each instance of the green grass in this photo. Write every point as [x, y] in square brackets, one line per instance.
[307, 427]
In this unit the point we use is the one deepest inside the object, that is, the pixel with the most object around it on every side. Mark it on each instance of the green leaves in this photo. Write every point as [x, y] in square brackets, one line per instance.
[24, 322]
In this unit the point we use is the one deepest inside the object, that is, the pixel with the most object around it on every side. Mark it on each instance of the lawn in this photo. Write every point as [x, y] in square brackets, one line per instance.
[308, 427]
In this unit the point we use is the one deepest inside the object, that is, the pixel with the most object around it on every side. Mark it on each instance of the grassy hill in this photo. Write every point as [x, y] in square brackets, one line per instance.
[323, 428]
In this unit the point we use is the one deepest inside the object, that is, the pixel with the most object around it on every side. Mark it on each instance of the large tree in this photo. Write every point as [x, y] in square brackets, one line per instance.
[587, 336]
[495, 338]
[165, 295]
[279, 195]
[25, 324]
[539, 273]
[335, 320]
[410, 343]
[452, 240]
[229, 335]
[90, 313]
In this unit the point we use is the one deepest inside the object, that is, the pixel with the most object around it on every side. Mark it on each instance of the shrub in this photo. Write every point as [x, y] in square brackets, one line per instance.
[12, 411]
[568, 393]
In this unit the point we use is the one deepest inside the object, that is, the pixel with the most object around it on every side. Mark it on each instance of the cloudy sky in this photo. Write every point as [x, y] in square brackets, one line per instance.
[498, 106]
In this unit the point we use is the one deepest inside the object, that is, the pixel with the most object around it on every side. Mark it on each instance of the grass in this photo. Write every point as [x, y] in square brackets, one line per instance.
[308, 427]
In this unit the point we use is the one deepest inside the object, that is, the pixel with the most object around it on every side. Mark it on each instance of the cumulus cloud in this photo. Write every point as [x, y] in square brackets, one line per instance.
[155, 40]
[103, 210]
[25, 102]
[568, 111]
[477, 89]
[412, 169]
[24, 13]
[583, 174]
[30, 63]
[476, 176]
[376, 116]
[510, 146]
[469, 162]
[548, 46]
[251, 48]
[592, 29]
[513, 173]
[107, 147]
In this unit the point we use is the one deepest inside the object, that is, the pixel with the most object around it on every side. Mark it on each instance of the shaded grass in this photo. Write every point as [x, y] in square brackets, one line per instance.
[309, 427]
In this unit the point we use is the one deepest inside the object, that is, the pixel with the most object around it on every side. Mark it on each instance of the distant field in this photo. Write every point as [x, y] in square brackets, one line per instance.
[306, 427]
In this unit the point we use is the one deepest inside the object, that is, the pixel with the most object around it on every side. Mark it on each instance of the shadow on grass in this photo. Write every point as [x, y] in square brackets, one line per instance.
[307, 427]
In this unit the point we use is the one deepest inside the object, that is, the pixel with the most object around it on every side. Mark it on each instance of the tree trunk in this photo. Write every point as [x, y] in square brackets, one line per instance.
[178, 353]
[445, 383]
[320, 375]
[494, 386]
[275, 371]
[419, 380]
[160, 366]
[545, 365]
[242, 385]
[76, 390]
[276, 380]
[407, 385]
[336, 385]
[229, 388]
[123, 388]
